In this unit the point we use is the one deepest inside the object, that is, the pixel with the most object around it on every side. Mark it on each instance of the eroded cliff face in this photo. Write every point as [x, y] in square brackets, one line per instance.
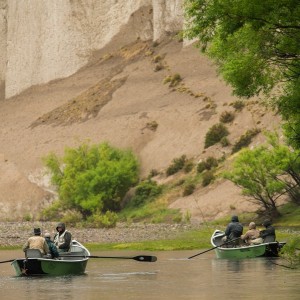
[43, 40]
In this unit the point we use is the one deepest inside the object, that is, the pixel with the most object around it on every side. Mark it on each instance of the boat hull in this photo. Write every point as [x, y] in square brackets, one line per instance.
[42, 266]
[240, 252]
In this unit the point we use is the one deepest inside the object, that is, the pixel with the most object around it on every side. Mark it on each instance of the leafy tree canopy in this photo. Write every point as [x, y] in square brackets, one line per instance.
[266, 173]
[256, 45]
[93, 179]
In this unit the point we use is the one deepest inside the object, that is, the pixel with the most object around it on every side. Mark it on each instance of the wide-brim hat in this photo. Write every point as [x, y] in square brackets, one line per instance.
[37, 231]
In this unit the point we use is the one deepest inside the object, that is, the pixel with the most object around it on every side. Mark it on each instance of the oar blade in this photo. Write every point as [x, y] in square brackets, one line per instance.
[145, 258]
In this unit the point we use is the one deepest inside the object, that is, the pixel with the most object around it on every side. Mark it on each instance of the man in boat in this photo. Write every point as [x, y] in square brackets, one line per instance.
[52, 248]
[62, 238]
[268, 234]
[233, 231]
[37, 242]
[252, 236]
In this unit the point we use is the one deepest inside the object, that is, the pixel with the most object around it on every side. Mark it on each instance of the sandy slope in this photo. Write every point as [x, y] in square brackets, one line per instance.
[116, 98]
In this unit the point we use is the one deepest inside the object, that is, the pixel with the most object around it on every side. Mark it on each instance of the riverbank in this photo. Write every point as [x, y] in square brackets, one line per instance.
[16, 234]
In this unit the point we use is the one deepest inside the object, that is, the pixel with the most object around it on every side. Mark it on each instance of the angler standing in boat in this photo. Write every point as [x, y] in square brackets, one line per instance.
[62, 238]
[233, 231]
[37, 242]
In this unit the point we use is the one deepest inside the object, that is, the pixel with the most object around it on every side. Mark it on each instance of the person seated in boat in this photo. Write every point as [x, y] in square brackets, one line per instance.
[37, 242]
[268, 234]
[62, 238]
[252, 236]
[52, 248]
[233, 232]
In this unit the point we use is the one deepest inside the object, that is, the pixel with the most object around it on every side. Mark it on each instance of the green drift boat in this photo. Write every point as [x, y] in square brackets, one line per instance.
[68, 264]
[270, 249]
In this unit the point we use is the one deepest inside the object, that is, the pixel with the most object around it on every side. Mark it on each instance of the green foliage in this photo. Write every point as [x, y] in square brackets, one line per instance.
[208, 164]
[208, 178]
[188, 167]
[177, 165]
[225, 142]
[189, 189]
[256, 45]
[100, 220]
[71, 217]
[215, 134]
[265, 173]
[291, 252]
[145, 192]
[93, 178]
[245, 140]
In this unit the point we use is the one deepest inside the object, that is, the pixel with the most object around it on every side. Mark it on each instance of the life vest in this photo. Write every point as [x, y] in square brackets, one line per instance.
[59, 239]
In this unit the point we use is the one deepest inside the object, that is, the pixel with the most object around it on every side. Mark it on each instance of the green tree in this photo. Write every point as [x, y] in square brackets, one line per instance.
[266, 173]
[256, 45]
[93, 179]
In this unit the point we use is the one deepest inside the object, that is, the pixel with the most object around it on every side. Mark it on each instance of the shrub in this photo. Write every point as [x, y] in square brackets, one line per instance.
[173, 80]
[146, 191]
[225, 142]
[99, 220]
[188, 167]
[215, 134]
[189, 189]
[177, 164]
[153, 173]
[245, 140]
[152, 125]
[93, 178]
[158, 67]
[208, 177]
[208, 164]
[226, 117]
[238, 104]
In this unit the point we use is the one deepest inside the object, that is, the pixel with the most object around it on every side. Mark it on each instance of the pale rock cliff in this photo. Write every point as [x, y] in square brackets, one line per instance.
[42, 40]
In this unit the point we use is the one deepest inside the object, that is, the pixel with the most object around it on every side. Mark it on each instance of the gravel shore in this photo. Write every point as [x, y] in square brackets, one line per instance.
[15, 234]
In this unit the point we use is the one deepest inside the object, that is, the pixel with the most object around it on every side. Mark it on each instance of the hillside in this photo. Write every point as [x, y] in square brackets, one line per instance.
[120, 97]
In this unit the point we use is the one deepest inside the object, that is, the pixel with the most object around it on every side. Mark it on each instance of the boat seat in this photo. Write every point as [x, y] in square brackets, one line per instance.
[33, 253]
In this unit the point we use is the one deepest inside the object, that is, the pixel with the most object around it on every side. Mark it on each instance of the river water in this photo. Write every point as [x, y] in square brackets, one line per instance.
[172, 276]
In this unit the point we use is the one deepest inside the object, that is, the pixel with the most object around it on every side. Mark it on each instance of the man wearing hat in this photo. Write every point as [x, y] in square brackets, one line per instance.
[37, 242]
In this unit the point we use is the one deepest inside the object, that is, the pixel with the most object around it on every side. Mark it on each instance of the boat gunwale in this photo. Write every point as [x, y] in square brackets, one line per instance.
[222, 233]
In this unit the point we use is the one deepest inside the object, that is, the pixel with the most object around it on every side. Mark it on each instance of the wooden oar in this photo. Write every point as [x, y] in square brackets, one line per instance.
[213, 248]
[6, 261]
[141, 258]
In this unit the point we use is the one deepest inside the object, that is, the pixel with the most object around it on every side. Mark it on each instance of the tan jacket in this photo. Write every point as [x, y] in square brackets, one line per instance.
[37, 242]
[251, 234]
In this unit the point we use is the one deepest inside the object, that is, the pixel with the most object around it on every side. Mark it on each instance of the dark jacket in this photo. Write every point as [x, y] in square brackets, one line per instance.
[52, 248]
[234, 228]
[62, 239]
[268, 234]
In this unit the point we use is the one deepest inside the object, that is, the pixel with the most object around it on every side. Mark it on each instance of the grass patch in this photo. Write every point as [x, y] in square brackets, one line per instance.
[194, 239]
[290, 215]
